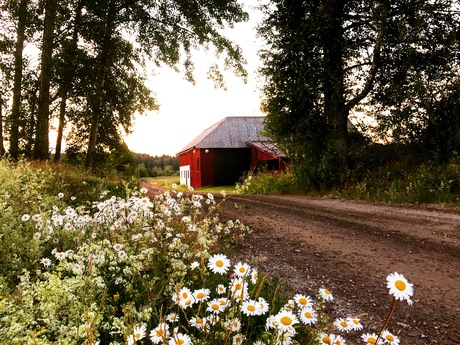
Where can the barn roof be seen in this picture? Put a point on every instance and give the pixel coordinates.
(231, 132)
(267, 146)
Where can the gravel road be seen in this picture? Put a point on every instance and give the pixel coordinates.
(350, 247)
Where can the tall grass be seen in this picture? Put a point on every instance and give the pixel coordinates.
(421, 184)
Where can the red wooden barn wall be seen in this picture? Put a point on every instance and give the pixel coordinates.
(210, 167)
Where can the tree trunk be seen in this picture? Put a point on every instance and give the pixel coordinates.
(66, 82)
(335, 108)
(42, 138)
(62, 109)
(97, 100)
(2, 147)
(18, 65)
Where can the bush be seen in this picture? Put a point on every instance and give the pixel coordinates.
(269, 183)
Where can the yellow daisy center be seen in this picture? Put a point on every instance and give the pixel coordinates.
(327, 292)
(238, 286)
(356, 322)
(180, 341)
(326, 340)
(251, 308)
(188, 302)
(215, 306)
(200, 295)
(307, 314)
(198, 320)
(137, 335)
(343, 324)
(184, 295)
(242, 270)
(159, 332)
(303, 301)
(371, 340)
(219, 263)
(286, 320)
(390, 337)
(400, 285)
(235, 324)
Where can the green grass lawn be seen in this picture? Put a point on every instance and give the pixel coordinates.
(167, 181)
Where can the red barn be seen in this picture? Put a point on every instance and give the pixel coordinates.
(222, 153)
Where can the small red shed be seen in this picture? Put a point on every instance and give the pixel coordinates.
(222, 153)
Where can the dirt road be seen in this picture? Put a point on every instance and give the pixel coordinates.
(351, 247)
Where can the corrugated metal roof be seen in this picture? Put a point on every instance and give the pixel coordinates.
(267, 146)
(231, 132)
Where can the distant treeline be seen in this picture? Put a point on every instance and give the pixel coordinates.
(151, 166)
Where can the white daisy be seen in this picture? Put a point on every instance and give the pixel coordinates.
(221, 289)
(238, 339)
(122, 255)
(254, 276)
(199, 322)
(249, 307)
(355, 324)
(370, 338)
(46, 262)
(338, 340)
(173, 317)
(213, 319)
(77, 268)
(241, 269)
(303, 301)
(233, 325)
(308, 316)
(399, 287)
(117, 247)
(201, 295)
(326, 294)
(214, 306)
(60, 255)
(219, 263)
(239, 289)
(179, 339)
(286, 319)
(327, 339)
(25, 217)
(390, 338)
(342, 324)
(262, 306)
(139, 332)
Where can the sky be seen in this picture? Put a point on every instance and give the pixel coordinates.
(186, 110)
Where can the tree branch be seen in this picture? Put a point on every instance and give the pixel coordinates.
(375, 62)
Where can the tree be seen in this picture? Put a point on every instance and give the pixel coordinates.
(66, 67)
(6, 72)
(326, 58)
(162, 32)
(46, 67)
(21, 15)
